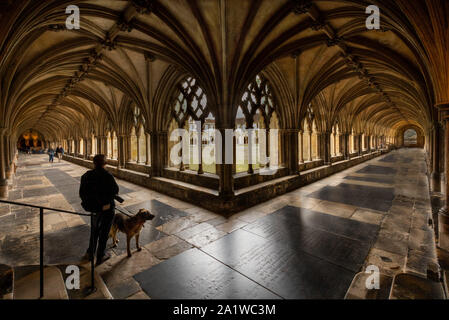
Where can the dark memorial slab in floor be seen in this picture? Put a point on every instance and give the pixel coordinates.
(389, 158)
(369, 197)
(378, 179)
(288, 272)
(377, 170)
(340, 241)
(294, 253)
(195, 275)
(39, 192)
(163, 212)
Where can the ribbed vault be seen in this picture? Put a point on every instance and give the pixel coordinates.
(127, 54)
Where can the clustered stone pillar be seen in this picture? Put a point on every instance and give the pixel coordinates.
(159, 152)
(147, 141)
(226, 168)
(326, 147)
(3, 180)
(443, 215)
(122, 147)
(301, 147)
(435, 176)
(290, 146)
(359, 144)
(346, 151)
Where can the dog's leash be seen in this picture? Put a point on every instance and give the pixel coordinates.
(125, 213)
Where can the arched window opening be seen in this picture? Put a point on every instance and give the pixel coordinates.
(253, 120)
(307, 138)
(114, 147)
(191, 112)
(352, 142)
(241, 139)
(274, 141)
(208, 138)
(315, 143)
(141, 146)
(81, 146)
(109, 145)
(133, 142)
(410, 137)
(94, 145)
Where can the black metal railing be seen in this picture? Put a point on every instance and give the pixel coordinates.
(41, 240)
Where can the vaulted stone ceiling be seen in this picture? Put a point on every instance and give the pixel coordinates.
(70, 83)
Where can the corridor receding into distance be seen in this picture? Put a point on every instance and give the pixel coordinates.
(309, 243)
(288, 149)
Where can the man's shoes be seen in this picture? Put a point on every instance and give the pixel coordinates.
(103, 259)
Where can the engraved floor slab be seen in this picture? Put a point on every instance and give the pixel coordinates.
(195, 275)
(292, 274)
(375, 198)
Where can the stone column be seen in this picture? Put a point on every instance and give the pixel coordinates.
(250, 148)
(77, 147)
(159, 152)
(200, 148)
(138, 148)
(267, 146)
(121, 150)
(435, 183)
(359, 144)
(87, 148)
(310, 145)
(346, 152)
(7, 152)
(147, 141)
(3, 180)
(335, 142)
(443, 215)
(326, 147)
(225, 170)
(301, 147)
(128, 148)
(99, 148)
(291, 145)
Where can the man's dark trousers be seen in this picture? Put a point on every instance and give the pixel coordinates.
(102, 226)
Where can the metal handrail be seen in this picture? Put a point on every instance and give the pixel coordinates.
(41, 240)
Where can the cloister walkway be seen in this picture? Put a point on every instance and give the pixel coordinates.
(315, 242)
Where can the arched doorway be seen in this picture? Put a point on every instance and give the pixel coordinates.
(410, 138)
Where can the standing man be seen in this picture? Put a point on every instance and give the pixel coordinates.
(97, 192)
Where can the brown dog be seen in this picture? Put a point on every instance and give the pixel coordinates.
(131, 226)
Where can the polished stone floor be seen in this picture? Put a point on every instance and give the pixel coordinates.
(314, 242)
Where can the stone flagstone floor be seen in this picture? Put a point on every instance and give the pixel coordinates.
(314, 242)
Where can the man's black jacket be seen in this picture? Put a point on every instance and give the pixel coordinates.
(102, 184)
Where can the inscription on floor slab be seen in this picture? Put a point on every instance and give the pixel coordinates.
(195, 275)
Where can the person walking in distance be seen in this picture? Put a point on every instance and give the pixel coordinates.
(59, 153)
(97, 192)
(51, 154)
